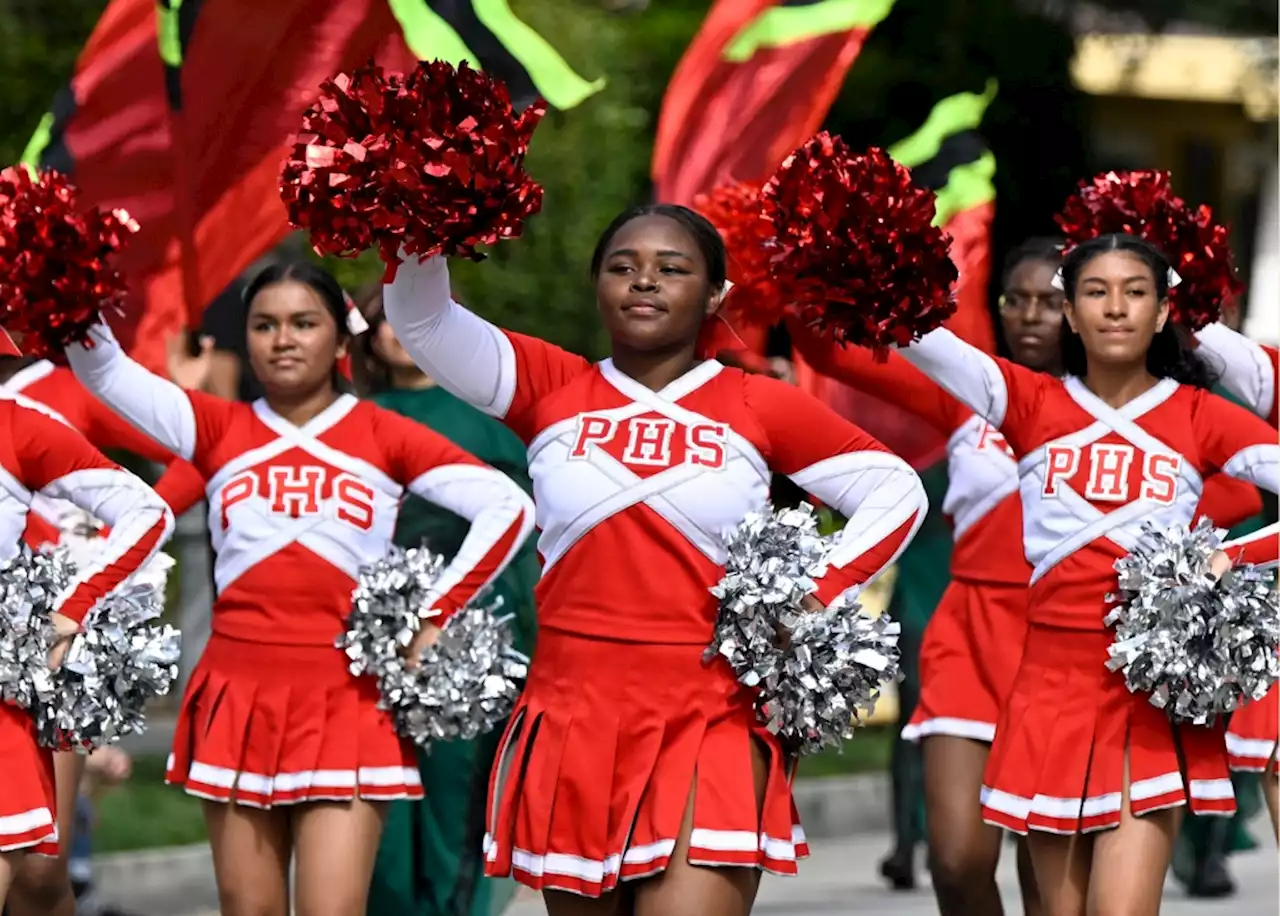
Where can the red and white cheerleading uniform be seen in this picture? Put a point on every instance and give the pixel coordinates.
(973, 643)
(58, 393)
(635, 491)
(1090, 476)
(1249, 371)
(40, 456)
(271, 715)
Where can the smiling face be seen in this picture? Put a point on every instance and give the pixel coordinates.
(653, 291)
(1115, 308)
(1031, 314)
(293, 339)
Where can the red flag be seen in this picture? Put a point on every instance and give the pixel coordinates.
(755, 83)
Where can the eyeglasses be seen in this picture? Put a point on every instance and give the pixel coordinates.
(1020, 302)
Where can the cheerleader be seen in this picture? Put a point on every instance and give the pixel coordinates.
(1249, 371)
(1087, 769)
(628, 757)
(289, 751)
(973, 643)
(42, 886)
(44, 457)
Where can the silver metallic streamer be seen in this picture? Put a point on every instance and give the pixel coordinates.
(816, 672)
(1199, 647)
(465, 685)
(29, 585)
(122, 660)
(125, 658)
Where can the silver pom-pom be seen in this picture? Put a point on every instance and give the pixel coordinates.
(830, 677)
(125, 658)
(773, 558)
(463, 686)
(816, 672)
(388, 606)
(1199, 647)
(29, 585)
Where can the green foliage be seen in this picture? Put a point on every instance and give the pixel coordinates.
(41, 39)
(144, 813)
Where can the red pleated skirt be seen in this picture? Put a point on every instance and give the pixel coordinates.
(1057, 762)
(265, 725)
(596, 768)
(971, 651)
(1252, 735)
(28, 799)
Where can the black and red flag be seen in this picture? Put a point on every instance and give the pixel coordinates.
(180, 111)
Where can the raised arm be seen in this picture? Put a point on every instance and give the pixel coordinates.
(827, 456)
(501, 515)
(892, 380)
(155, 406)
(498, 372)
(1003, 393)
(1247, 369)
(1246, 448)
(59, 463)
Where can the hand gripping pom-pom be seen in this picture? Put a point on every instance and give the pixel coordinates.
(125, 658)
(29, 585)
(857, 253)
(57, 268)
(464, 685)
(735, 210)
(1142, 203)
(1199, 648)
(430, 163)
(830, 677)
(814, 671)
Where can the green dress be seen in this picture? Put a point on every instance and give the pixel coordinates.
(924, 571)
(430, 861)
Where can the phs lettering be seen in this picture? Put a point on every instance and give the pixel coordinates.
(1107, 472)
(300, 492)
(651, 442)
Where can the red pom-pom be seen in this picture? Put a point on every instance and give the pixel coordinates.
(1143, 204)
(56, 271)
(735, 210)
(858, 254)
(431, 162)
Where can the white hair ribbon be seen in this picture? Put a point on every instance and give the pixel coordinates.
(1057, 281)
(356, 324)
(1173, 279)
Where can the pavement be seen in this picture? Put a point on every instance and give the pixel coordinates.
(839, 879)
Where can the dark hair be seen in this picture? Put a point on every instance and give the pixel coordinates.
(1170, 354)
(314, 276)
(1037, 248)
(704, 235)
(370, 371)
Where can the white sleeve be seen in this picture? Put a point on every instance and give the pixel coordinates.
(466, 355)
(885, 504)
(969, 375)
(153, 405)
(501, 517)
(139, 521)
(1241, 365)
